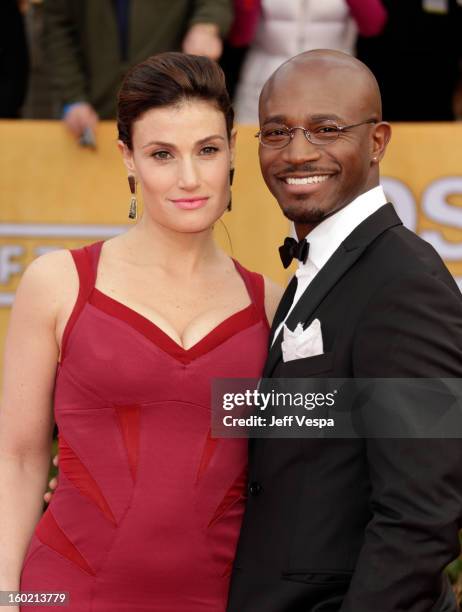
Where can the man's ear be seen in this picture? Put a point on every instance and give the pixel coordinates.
(380, 139)
(127, 156)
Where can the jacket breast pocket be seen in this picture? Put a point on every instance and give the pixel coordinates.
(307, 366)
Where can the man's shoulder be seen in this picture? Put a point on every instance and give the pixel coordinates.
(401, 252)
(397, 261)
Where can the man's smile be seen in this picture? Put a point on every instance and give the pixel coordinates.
(306, 180)
(300, 183)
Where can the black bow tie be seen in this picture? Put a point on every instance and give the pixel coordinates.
(291, 249)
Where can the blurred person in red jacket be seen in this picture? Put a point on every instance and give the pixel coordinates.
(246, 17)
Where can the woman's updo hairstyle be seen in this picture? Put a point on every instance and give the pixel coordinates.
(168, 79)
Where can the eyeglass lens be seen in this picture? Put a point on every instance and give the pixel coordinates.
(278, 136)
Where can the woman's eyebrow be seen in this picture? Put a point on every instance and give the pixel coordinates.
(212, 137)
(170, 145)
(159, 143)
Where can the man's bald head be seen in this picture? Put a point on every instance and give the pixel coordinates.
(313, 68)
(335, 99)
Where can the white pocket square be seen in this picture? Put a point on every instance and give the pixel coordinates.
(302, 343)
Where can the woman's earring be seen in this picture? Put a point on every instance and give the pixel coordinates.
(231, 179)
(132, 184)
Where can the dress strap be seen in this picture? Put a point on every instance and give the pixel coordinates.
(86, 262)
(94, 252)
(255, 284)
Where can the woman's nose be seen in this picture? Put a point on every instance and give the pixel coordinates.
(188, 175)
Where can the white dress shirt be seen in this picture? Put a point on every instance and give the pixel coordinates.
(326, 237)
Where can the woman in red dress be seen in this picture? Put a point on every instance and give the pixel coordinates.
(121, 340)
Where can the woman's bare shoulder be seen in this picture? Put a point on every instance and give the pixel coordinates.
(48, 279)
(52, 261)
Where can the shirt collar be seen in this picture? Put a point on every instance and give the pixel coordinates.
(326, 237)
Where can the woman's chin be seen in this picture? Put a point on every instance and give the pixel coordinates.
(192, 225)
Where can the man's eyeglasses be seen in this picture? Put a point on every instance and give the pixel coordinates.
(278, 137)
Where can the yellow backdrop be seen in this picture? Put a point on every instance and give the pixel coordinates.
(56, 194)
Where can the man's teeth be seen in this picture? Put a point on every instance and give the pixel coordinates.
(307, 180)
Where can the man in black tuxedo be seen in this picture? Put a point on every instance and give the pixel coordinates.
(350, 525)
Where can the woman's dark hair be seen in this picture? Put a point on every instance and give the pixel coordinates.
(167, 79)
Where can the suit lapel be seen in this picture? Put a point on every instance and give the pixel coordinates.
(341, 261)
(284, 305)
(322, 283)
(280, 315)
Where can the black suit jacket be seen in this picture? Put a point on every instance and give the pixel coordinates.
(360, 525)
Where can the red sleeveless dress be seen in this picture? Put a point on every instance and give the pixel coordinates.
(148, 508)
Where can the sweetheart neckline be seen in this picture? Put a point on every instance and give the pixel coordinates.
(133, 312)
(225, 330)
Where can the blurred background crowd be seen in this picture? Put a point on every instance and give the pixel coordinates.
(65, 58)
